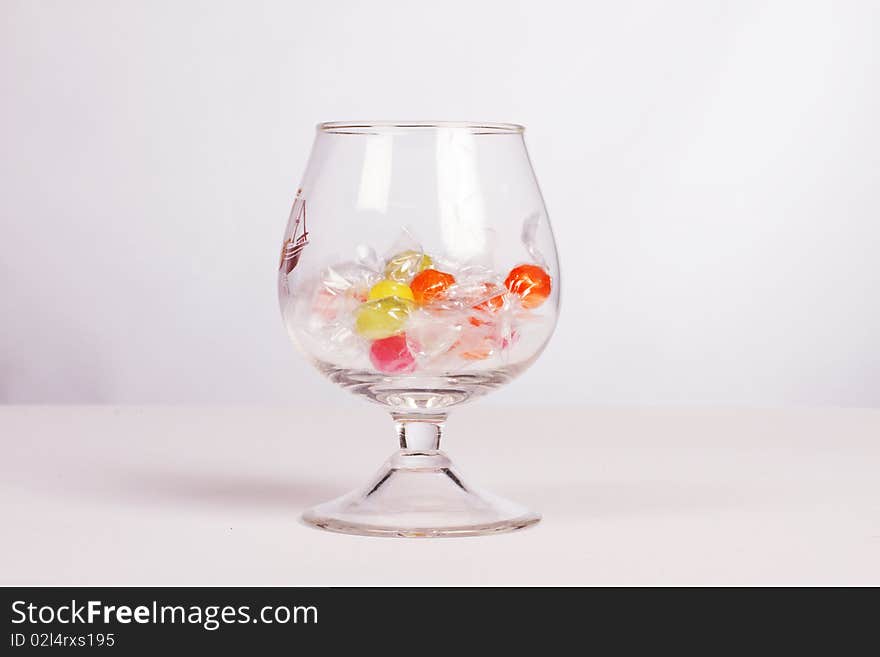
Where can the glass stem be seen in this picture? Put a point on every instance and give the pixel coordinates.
(419, 432)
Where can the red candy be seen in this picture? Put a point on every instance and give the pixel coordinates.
(392, 355)
(530, 283)
(429, 285)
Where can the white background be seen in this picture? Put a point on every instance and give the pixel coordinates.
(711, 170)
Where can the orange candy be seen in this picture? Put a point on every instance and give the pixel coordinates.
(489, 306)
(477, 354)
(429, 285)
(474, 347)
(481, 352)
(530, 283)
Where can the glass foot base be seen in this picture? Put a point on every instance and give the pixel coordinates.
(419, 494)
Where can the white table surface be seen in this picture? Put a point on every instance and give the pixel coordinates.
(188, 496)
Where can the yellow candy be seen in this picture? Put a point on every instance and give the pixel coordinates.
(382, 318)
(407, 264)
(389, 288)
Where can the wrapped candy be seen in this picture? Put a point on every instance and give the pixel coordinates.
(382, 318)
(338, 290)
(477, 344)
(330, 333)
(530, 283)
(468, 289)
(432, 334)
(327, 304)
(392, 355)
(403, 266)
(343, 343)
(405, 258)
(390, 288)
(429, 285)
(494, 300)
(477, 351)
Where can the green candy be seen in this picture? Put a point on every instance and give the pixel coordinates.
(382, 318)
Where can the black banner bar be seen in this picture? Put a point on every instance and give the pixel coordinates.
(124, 621)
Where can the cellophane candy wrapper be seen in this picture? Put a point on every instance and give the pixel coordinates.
(327, 304)
(413, 312)
(431, 335)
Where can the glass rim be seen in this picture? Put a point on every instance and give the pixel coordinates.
(379, 127)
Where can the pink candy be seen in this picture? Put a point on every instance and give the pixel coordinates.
(392, 355)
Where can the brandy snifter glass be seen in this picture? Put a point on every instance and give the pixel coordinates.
(419, 270)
